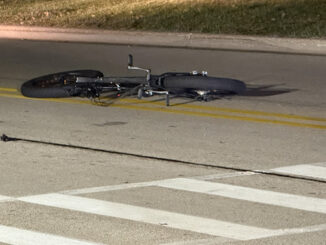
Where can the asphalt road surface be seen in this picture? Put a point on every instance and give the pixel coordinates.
(248, 169)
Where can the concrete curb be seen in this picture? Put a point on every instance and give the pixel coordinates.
(178, 40)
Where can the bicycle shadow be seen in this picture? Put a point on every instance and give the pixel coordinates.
(251, 91)
(266, 90)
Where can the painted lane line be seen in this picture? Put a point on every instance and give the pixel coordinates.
(300, 230)
(248, 194)
(5, 198)
(257, 113)
(227, 110)
(230, 110)
(109, 188)
(12, 235)
(208, 241)
(151, 216)
(224, 175)
(149, 183)
(280, 232)
(286, 170)
(184, 112)
(308, 170)
(213, 108)
(11, 90)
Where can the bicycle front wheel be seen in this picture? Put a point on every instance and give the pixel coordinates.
(56, 85)
(212, 84)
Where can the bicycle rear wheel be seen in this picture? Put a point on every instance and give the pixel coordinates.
(56, 85)
(211, 84)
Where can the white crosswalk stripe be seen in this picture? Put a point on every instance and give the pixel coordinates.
(249, 194)
(224, 176)
(4, 198)
(109, 188)
(223, 230)
(281, 232)
(307, 170)
(12, 235)
(152, 216)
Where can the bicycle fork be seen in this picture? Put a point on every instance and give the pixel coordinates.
(147, 88)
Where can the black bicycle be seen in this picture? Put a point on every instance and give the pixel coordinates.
(93, 84)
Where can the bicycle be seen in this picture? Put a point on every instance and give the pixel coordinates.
(92, 84)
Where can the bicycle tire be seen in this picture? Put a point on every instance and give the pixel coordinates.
(57, 85)
(212, 84)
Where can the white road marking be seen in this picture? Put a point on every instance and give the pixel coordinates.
(151, 216)
(316, 171)
(149, 183)
(302, 170)
(109, 188)
(306, 229)
(5, 198)
(308, 170)
(224, 175)
(225, 231)
(146, 184)
(209, 241)
(12, 235)
(249, 194)
(280, 232)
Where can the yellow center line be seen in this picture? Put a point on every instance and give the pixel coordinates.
(168, 110)
(221, 116)
(231, 110)
(71, 101)
(213, 108)
(9, 90)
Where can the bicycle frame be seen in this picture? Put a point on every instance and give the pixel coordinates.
(149, 85)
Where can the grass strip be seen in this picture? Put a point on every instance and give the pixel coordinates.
(281, 18)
